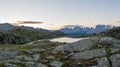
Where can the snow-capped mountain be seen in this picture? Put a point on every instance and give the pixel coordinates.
(84, 31)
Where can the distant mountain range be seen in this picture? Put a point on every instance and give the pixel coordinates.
(76, 30)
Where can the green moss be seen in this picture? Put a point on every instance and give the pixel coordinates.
(108, 51)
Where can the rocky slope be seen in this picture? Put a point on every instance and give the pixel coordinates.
(90, 52)
(115, 32)
(21, 34)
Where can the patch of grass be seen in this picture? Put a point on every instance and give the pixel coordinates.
(2, 65)
(108, 51)
(96, 46)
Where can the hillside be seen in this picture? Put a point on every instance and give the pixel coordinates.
(115, 32)
(21, 34)
(58, 33)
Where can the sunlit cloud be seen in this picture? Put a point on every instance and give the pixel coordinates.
(26, 22)
(29, 22)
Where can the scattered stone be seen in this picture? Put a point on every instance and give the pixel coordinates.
(56, 64)
(10, 65)
(14, 61)
(50, 57)
(41, 65)
(24, 57)
(36, 57)
(32, 64)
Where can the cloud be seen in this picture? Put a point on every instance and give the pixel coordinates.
(17, 23)
(29, 22)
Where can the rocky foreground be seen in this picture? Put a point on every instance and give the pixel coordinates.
(90, 52)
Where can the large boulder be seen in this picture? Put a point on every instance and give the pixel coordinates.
(103, 62)
(76, 46)
(89, 54)
(115, 60)
(106, 41)
(109, 41)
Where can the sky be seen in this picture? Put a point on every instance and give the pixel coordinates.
(60, 12)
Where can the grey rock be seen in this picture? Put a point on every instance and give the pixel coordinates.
(41, 65)
(23, 57)
(10, 65)
(76, 46)
(36, 57)
(32, 64)
(110, 41)
(56, 64)
(7, 54)
(89, 54)
(106, 41)
(14, 61)
(115, 57)
(58, 49)
(103, 62)
(50, 57)
(113, 50)
(115, 60)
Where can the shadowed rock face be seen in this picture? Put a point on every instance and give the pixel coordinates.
(11, 38)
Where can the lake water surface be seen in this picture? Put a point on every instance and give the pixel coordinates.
(66, 39)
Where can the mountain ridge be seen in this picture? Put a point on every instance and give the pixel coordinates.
(77, 30)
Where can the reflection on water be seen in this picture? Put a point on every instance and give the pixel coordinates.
(67, 39)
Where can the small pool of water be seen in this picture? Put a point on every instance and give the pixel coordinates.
(66, 39)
